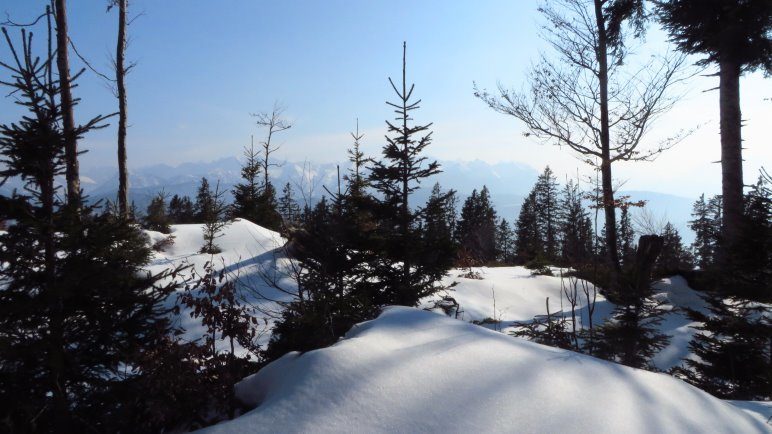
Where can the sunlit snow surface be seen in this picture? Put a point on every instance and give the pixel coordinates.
(416, 371)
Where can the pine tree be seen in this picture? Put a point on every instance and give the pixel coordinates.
(212, 212)
(575, 227)
(157, 218)
(77, 310)
(246, 195)
(181, 210)
(405, 271)
(546, 189)
(704, 244)
(203, 200)
(674, 257)
(626, 236)
(476, 232)
(736, 36)
(505, 243)
(528, 240)
(288, 208)
(437, 230)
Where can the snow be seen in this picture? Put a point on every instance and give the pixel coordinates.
(249, 252)
(411, 370)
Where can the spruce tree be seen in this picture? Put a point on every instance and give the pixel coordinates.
(406, 272)
(505, 243)
(476, 232)
(674, 257)
(528, 241)
(626, 236)
(288, 207)
(704, 243)
(77, 310)
(181, 210)
(212, 212)
(437, 230)
(575, 227)
(546, 189)
(735, 36)
(246, 195)
(156, 217)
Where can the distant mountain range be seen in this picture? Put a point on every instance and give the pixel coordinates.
(508, 182)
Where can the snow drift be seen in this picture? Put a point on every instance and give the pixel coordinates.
(416, 371)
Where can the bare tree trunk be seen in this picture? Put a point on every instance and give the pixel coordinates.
(605, 167)
(731, 150)
(68, 118)
(120, 76)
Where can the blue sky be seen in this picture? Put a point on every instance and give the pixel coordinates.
(204, 66)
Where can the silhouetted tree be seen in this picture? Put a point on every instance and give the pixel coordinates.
(737, 37)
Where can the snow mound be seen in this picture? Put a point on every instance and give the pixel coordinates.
(415, 371)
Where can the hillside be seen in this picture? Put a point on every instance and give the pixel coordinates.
(416, 371)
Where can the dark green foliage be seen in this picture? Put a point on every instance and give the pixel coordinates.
(76, 309)
(505, 243)
(528, 240)
(735, 30)
(575, 227)
(734, 350)
(546, 189)
(476, 229)
(156, 217)
(212, 210)
(631, 336)
(550, 329)
(438, 221)
(267, 215)
(706, 226)
(246, 195)
(181, 210)
(334, 292)
(674, 257)
(288, 207)
(404, 268)
(626, 236)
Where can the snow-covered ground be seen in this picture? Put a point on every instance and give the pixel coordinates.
(249, 253)
(416, 371)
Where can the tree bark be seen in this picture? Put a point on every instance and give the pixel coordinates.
(120, 72)
(731, 150)
(605, 141)
(68, 120)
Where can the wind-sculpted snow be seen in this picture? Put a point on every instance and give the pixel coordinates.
(250, 254)
(416, 371)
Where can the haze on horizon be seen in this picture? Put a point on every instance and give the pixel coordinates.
(193, 89)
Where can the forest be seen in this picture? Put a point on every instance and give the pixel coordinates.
(160, 318)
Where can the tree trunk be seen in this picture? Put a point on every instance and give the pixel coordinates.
(605, 142)
(120, 76)
(731, 151)
(68, 119)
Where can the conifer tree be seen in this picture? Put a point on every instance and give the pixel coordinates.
(246, 195)
(546, 189)
(212, 211)
(476, 231)
(626, 236)
(288, 207)
(437, 229)
(181, 210)
(736, 36)
(505, 243)
(704, 244)
(528, 240)
(575, 227)
(406, 272)
(156, 217)
(674, 257)
(76, 310)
